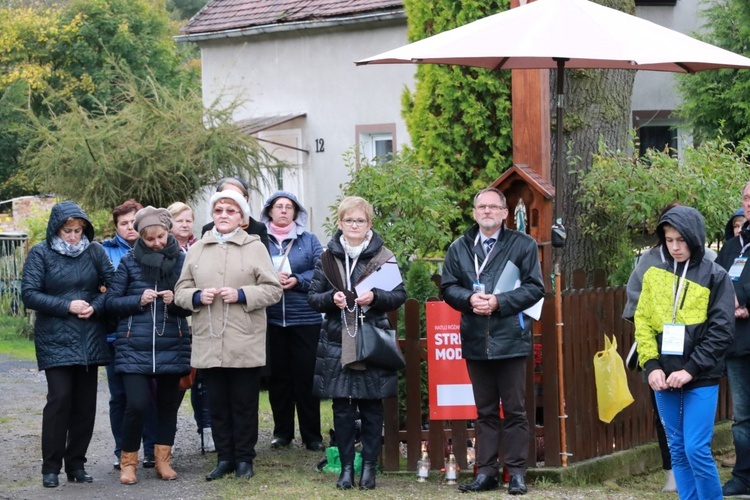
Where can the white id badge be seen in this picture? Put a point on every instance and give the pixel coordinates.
(277, 262)
(478, 287)
(737, 267)
(673, 339)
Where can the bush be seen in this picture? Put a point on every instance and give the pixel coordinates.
(37, 224)
(622, 195)
(15, 328)
(413, 211)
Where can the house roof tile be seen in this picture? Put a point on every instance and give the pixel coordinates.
(219, 15)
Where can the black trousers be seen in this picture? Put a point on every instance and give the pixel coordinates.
(344, 423)
(494, 381)
(68, 417)
(138, 393)
(234, 411)
(291, 359)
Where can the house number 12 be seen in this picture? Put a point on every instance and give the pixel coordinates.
(319, 146)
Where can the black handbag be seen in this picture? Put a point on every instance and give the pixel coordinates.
(379, 348)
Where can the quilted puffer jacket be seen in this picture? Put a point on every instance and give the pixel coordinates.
(331, 380)
(147, 342)
(51, 281)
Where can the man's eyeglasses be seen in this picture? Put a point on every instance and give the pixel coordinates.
(229, 211)
(351, 222)
(288, 208)
(494, 208)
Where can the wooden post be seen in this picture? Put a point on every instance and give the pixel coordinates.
(530, 97)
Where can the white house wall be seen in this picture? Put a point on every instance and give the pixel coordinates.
(312, 71)
(656, 91)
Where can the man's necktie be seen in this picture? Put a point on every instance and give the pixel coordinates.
(488, 245)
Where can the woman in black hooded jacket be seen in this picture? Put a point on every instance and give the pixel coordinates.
(64, 278)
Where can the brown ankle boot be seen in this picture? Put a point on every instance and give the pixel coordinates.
(128, 463)
(163, 455)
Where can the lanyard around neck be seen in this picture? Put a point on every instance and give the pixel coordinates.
(678, 289)
(477, 268)
(744, 247)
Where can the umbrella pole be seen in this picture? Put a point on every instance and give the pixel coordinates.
(557, 264)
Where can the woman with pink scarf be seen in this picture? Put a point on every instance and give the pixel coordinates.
(293, 327)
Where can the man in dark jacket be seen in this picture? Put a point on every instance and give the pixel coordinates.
(492, 275)
(732, 257)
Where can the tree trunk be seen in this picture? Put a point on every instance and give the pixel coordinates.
(596, 106)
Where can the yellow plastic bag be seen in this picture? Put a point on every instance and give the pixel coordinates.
(612, 392)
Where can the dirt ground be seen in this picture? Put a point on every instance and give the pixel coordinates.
(22, 397)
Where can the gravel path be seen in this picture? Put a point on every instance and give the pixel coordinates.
(22, 397)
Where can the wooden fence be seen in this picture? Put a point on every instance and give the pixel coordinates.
(588, 314)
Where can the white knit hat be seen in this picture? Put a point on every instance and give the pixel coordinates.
(235, 197)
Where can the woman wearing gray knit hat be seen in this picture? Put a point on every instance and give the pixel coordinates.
(153, 340)
(228, 280)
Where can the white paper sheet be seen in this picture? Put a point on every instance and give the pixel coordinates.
(510, 279)
(387, 277)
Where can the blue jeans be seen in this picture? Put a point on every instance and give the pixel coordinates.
(738, 374)
(117, 404)
(688, 418)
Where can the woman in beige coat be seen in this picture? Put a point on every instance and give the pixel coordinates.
(228, 280)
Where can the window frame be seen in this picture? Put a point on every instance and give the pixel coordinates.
(373, 132)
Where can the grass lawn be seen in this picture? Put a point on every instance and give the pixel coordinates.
(13, 339)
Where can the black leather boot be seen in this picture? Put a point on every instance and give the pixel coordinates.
(346, 478)
(223, 468)
(244, 470)
(367, 481)
(50, 480)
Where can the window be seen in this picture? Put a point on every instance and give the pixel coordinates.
(657, 137)
(377, 148)
(377, 143)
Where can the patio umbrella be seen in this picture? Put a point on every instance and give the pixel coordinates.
(576, 34)
(560, 34)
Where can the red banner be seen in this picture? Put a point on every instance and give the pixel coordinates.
(451, 397)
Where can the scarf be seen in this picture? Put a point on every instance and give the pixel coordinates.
(189, 243)
(354, 252)
(281, 232)
(222, 237)
(157, 266)
(58, 245)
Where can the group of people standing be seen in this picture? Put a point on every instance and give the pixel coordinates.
(154, 302)
(250, 293)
